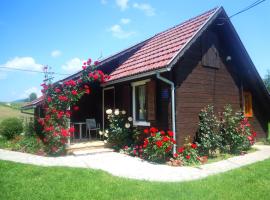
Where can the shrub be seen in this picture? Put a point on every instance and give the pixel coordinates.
(29, 128)
(208, 134)
(120, 131)
(188, 153)
(236, 132)
(157, 145)
(11, 127)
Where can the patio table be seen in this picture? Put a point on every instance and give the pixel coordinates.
(80, 128)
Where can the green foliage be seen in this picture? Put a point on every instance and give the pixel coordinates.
(231, 133)
(236, 133)
(29, 128)
(11, 127)
(157, 145)
(28, 144)
(208, 134)
(188, 153)
(120, 131)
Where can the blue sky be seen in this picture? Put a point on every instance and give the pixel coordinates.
(62, 33)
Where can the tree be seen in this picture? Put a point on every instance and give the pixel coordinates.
(266, 80)
(32, 96)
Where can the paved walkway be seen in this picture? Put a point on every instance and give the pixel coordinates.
(125, 166)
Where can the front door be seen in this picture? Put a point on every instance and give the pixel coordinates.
(108, 103)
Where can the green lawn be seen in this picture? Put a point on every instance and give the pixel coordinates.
(19, 181)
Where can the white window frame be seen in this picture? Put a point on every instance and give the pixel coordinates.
(135, 122)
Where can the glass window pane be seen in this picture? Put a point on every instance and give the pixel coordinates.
(140, 103)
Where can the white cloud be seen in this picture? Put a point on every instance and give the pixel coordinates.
(73, 65)
(123, 4)
(28, 91)
(146, 8)
(3, 75)
(56, 53)
(27, 63)
(118, 32)
(103, 2)
(125, 21)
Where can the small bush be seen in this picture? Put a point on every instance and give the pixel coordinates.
(208, 134)
(120, 131)
(236, 132)
(11, 127)
(188, 153)
(29, 128)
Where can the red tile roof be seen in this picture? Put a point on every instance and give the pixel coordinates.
(154, 53)
(158, 51)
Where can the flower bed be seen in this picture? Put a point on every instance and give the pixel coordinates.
(230, 134)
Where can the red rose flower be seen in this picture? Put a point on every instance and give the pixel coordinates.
(181, 150)
(74, 92)
(153, 130)
(170, 133)
(188, 157)
(96, 63)
(165, 139)
(146, 131)
(84, 67)
(193, 146)
(159, 143)
(57, 90)
(162, 132)
(254, 134)
(89, 61)
(87, 91)
(175, 155)
(49, 99)
(95, 77)
(64, 133)
(71, 129)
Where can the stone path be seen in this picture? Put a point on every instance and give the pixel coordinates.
(125, 166)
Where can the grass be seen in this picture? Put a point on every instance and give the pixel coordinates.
(9, 111)
(20, 181)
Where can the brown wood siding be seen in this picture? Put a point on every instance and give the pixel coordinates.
(199, 86)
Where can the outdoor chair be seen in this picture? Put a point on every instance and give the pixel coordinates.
(91, 125)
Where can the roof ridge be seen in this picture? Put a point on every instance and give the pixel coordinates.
(188, 20)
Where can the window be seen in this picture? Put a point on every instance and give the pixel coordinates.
(248, 112)
(139, 102)
(140, 98)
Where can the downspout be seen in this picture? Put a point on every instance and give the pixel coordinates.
(173, 105)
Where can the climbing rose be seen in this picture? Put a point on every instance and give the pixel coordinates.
(49, 99)
(72, 129)
(188, 157)
(175, 155)
(64, 132)
(96, 63)
(74, 92)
